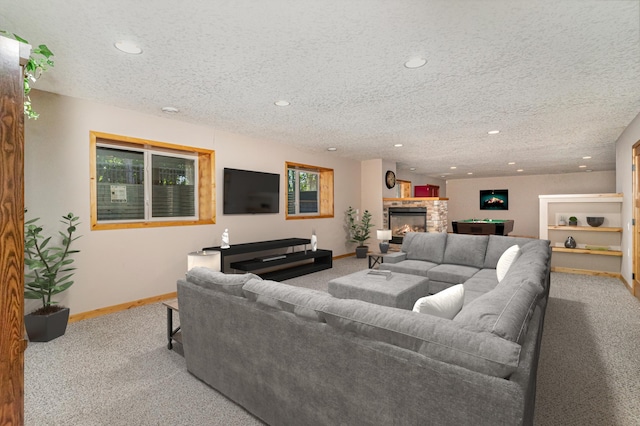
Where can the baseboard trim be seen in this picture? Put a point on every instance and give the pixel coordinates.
(586, 272)
(121, 307)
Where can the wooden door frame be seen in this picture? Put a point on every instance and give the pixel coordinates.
(635, 191)
(13, 55)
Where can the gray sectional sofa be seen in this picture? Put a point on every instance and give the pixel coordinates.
(293, 356)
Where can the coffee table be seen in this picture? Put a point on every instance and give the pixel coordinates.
(395, 289)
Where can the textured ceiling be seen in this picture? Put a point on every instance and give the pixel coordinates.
(559, 79)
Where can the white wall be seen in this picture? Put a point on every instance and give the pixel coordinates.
(464, 196)
(418, 179)
(372, 178)
(624, 184)
(118, 266)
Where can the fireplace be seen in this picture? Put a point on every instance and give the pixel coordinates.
(406, 219)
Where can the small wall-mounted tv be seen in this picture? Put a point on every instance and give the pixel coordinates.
(250, 192)
(494, 199)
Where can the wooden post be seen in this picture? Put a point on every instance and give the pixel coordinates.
(12, 339)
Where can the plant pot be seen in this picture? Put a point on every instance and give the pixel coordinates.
(573, 223)
(361, 252)
(44, 328)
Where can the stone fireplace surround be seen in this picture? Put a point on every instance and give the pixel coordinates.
(436, 210)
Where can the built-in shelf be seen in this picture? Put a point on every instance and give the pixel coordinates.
(598, 251)
(587, 251)
(584, 228)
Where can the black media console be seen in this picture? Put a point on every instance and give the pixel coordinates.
(322, 259)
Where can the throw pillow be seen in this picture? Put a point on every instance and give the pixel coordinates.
(509, 256)
(444, 304)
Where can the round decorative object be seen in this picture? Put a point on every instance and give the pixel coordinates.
(570, 242)
(390, 179)
(595, 221)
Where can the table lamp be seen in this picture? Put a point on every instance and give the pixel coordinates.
(208, 259)
(385, 236)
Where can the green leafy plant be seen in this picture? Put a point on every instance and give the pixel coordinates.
(49, 264)
(39, 62)
(573, 219)
(359, 229)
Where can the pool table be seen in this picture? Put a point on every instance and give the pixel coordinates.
(483, 227)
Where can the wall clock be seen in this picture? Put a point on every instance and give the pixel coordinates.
(390, 179)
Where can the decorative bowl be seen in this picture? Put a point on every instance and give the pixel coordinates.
(595, 221)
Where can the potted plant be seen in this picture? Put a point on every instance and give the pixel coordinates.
(359, 230)
(39, 61)
(573, 221)
(49, 274)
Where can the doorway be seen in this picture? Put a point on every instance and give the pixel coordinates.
(636, 217)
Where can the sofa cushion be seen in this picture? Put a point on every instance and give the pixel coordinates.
(505, 310)
(414, 267)
(468, 250)
(219, 281)
(485, 280)
(498, 244)
(454, 274)
(303, 302)
(427, 246)
(445, 304)
(433, 337)
(506, 260)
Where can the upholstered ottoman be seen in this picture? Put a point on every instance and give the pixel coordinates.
(393, 289)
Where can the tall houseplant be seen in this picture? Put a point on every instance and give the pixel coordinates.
(39, 61)
(359, 230)
(50, 273)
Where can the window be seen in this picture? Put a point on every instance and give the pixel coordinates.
(309, 191)
(140, 183)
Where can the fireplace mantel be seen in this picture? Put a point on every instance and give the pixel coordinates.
(416, 199)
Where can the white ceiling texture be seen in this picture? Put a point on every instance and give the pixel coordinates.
(559, 79)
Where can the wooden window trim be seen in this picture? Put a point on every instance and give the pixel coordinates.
(326, 191)
(206, 181)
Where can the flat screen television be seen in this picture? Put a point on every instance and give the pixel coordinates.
(250, 192)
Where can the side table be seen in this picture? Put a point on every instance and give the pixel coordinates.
(375, 259)
(174, 336)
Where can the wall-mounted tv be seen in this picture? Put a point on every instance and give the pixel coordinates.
(494, 199)
(250, 192)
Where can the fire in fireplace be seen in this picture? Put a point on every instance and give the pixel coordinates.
(406, 219)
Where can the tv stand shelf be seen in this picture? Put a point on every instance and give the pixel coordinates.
(322, 259)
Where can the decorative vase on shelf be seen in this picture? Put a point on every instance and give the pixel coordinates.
(314, 241)
(570, 242)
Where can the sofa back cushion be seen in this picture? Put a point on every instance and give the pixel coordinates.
(464, 249)
(300, 301)
(497, 245)
(505, 311)
(219, 281)
(433, 337)
(427, 246)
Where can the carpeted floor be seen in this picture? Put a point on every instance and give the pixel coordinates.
(116, 369)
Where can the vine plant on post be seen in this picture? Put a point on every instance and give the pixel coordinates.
(49, 274)
(39, 62)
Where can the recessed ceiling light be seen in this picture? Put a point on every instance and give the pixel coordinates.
(520, 170)
(583, 166)
(282, 103)
(415, 63)
(128, 47)
(453, 167)
(493, 132)
(397, 145)
(469, 173)
(170, 110)
(587, 157)
(442, 176)
(412, 168)
(511, 163)
(332, 148)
